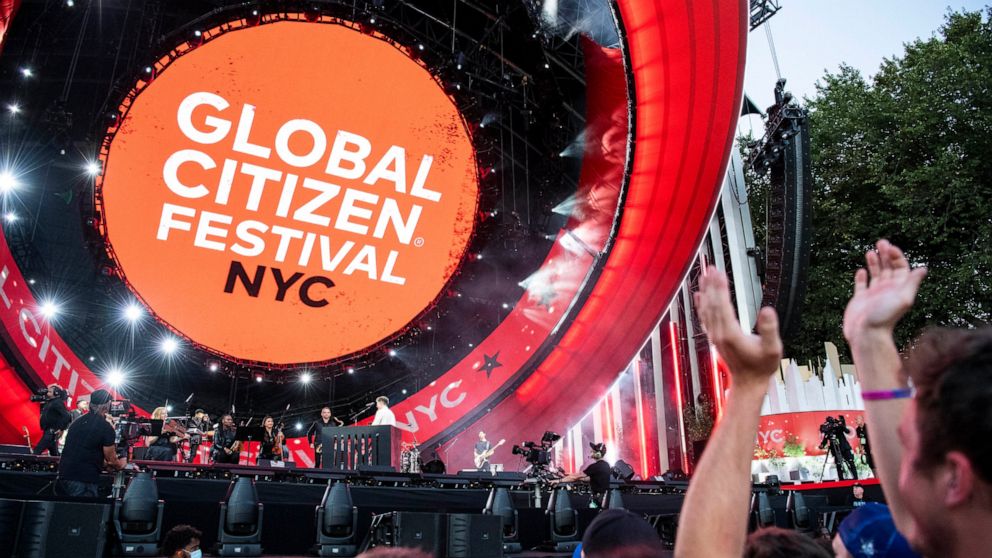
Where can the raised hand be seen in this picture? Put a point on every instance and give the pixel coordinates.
(751, 358)
(883, 293)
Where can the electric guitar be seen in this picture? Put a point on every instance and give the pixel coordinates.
(482, 457)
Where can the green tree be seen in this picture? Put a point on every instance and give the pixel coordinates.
(906, 155)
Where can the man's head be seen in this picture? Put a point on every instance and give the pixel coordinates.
(100, 401)
(381, 402)
(598, 450)
(83, 405)
(325, 413)
(858, 490)
(859, 420)
(227, 420)
(55, 391)
(945, 477)
(482, 436)
(869, 532)
(774, 542)
(182, 541)
(620, 534)
(199, 414)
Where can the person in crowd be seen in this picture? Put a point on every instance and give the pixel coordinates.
(932, 443)
(182, 541)
(54, 419)
(857, 497)
(620, 534)
(163, 447)
(597, 474)
(869, 533)
(383, 415)
(713, 522)
(89, 446)
(316, 432)
(82, 407)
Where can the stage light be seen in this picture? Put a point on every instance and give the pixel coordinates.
(429, 328)
(133, 312)
(392, 352)
(372, 20)
(299, 426)
(168, 408)
(214, 367)
(148, 69)
(351, 370)
(8, 181)
(49, 309)
(115, 377)
(30, 281)
(505, 306)
(478, 256)
(305, 378)
(421, 47)
(70, 3)
(254, 12)
(10, 217)
(547, 66)
(93, 168)
(403, 391)
(26, 72)
(259, 377)
(13, 108)
(197, 33)
(169, 345)
(92, 358)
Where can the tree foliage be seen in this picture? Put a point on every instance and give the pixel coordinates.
(906, 155)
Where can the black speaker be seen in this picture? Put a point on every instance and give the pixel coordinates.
(10, 515)
(473, 535)
(57, 529)
(407, 529)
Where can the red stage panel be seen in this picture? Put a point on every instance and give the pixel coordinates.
(7, 10)
(688, 64)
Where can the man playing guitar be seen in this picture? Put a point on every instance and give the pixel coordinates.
(483, 451)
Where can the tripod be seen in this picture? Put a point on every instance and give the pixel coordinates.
(838, 458)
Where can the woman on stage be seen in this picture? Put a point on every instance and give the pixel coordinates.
(164, 447)
(272, 447)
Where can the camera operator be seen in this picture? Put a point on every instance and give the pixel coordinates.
(54, 419)
(597, 474)
(89, 446)
(835, 436)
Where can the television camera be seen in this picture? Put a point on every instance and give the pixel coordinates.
(40, 395)
(128, 427)
(538, 454)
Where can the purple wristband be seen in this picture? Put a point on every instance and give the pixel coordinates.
(884, 394)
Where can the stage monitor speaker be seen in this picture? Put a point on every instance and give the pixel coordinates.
(473, 535)
(408, 530)
(15, 449)
(10, 516)
(58, 529)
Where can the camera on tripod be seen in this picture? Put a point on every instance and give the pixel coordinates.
(40, 395)
(832, 429)
(537, 453)
(129, 427)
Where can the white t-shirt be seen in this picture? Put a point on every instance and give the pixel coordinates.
(384, 417)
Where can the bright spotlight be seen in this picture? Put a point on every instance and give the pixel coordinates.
(351, 370)
(92, 358)
(13, 108)
(49, 309)
(305, 377)
(392, 352)
(168, 408)
(169, 345)
(403, 391)
(214, 367)
(258, 379)
(70, 3)
(299, 426)
(505, 305)
(133, 312)
(26, 72)
(8, 181)
(93, 168)
(115, 377)
(10, 216)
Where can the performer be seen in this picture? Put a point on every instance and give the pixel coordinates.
(483, 451)
(54, 419)
(271, 447)
(383, 415)
(861, 431)
(164, 447)
(315, 434)
(597, 474)
(226, 449)
(197, 428)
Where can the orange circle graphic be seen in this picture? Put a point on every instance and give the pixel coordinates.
(291, 192)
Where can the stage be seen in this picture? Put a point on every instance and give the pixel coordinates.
(192, 494)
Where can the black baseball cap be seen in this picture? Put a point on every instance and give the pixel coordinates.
(100, 397)
(599, 448)
(616, 529)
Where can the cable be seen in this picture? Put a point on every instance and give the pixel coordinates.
(771, 47)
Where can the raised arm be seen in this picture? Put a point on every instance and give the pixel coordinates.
(713, 522)
(882, 295)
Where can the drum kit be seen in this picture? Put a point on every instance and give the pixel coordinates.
(410, 458)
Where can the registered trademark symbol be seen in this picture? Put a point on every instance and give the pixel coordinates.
(418, 242)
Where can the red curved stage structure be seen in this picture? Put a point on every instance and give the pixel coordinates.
(661, 114)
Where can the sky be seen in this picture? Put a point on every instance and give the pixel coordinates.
(813, 36)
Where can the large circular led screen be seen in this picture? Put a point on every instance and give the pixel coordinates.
(290, 192)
